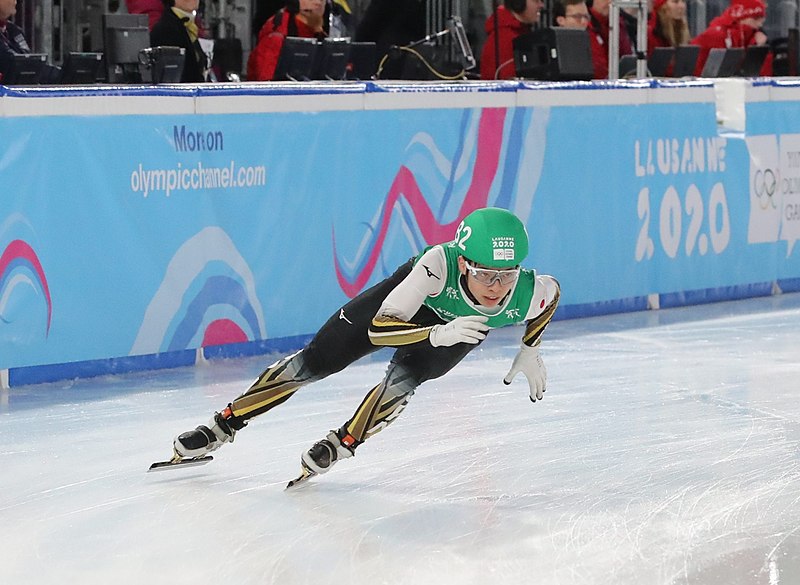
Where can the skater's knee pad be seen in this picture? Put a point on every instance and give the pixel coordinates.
(399, 381)
(381, 406)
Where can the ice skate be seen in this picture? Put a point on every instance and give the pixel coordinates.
(178, 461)
(321, 457)
(205, 439)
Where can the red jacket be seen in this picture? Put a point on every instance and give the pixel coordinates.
(508, 29)
(264, 58)
(725, 32)
(598, 35)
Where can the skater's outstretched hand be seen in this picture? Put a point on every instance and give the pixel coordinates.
(469, 329)
(529, 362)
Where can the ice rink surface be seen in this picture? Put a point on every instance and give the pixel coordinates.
(665, 451)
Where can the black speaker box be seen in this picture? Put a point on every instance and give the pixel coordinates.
(555, 54)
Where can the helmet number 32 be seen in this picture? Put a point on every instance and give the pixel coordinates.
(462, 235)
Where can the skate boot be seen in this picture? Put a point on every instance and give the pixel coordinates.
(205, 439)
(323, 454)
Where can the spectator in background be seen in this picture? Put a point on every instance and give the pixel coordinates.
(154, 9)
(571, 14)
(599, 29)
(11, 37)
(264, 9)
(12, 41)
(338, 17)
(299, 18)
(738, 26)
(177, 28)
(667, 26)
(512, 19)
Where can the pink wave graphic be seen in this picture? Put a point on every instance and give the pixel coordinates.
(223, 331)
(490, 142)
(19, 249)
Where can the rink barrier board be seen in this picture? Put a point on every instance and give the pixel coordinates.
(226, 99)
(22, 376)
(293, 97)
(27, 375)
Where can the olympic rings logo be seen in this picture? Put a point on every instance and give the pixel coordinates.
(765, 183)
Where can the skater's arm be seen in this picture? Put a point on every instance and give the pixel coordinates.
(392, 323)
(528, 361)
(391, 331)
(543, 304)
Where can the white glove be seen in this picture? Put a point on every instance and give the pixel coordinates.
(469, 329)
(529, 362)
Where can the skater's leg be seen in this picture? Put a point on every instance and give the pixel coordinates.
(380, 407)
(340, 341)
(384, 403)
(410, 367)
(274, 386)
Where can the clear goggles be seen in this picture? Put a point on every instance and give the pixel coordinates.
(488, 276)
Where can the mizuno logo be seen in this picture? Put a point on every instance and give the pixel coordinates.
(343, 318)
(428, 270)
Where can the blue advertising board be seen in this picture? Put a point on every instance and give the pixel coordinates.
(139, 238)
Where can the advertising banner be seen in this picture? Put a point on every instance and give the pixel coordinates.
(136, 235)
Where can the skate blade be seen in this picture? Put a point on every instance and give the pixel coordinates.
(304, 477)
(194, 461)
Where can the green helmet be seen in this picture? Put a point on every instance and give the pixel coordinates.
(492, 237)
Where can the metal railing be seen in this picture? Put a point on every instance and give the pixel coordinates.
(641, 36)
